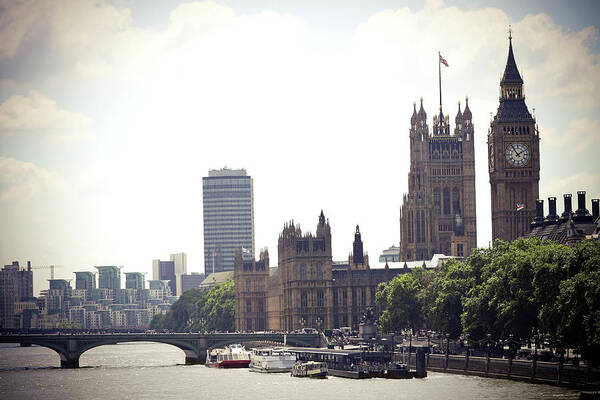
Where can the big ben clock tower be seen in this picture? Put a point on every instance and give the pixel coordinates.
(513, 158)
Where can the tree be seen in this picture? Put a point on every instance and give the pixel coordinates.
(400, 297)
(578, 303)
(445, 294)
(201, 310)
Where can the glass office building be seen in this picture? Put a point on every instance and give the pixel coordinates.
(228, 218)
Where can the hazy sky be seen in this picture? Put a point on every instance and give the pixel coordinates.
(111, 112)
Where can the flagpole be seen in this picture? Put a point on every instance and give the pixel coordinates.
(440, 76)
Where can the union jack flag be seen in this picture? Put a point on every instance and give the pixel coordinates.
(520, 206)
(443, 61)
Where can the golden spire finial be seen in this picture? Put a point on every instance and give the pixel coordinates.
(509, 32)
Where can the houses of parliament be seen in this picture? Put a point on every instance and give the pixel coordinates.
(438, 216)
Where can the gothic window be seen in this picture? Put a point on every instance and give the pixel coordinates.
(248, 285)
(372, 300)
(302, 272)
(319, 271)
(446, 201)
(261, 306)
(422, 226)
(304, 299)
(363, 296)
(354, 296)
(344, 297)
(418, 227)
(456, 201)
(248, 305)
(320, 299)
(248, 324)
(295, 272)
(335, 298)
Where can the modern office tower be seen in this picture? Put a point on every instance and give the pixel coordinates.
(109, 277)
(134, 280)
(513, 158)
(228, 203)
(165, 271)
(192, 281)
(180, 268)
(85, 280)
(16, 285)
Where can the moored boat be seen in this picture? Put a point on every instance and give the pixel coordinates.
(310, 369)
(272, 360)
(234, 356)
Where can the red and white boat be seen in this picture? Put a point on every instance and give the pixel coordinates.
(234, 356)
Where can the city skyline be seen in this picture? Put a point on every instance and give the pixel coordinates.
(111, 114)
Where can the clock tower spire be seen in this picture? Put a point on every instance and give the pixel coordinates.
(513, 157)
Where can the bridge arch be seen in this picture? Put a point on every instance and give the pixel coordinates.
(193, 354)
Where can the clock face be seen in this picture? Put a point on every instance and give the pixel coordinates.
(517, 154)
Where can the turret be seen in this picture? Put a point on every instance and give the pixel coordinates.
(466, 115)
(357, 253)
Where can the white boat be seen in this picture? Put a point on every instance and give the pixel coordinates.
(272, 360)
(234, 356)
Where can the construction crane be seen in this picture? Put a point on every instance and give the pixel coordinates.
(50, 267)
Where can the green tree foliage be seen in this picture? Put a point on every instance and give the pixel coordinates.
(402, 303)
(200, 310)
(578, 303)
(519, 289)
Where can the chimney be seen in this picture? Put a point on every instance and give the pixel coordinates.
(539, 213)
(552, 217)
(596, 208)
(568, 209)
(581, 210)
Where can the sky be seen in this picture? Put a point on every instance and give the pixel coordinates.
(111, 112)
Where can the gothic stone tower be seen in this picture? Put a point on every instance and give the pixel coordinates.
(513, 158)
(438, 212)
(250, 279)
(305, 271)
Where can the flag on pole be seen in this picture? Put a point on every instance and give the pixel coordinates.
(443, 61)
(246, 251)
(520, 206)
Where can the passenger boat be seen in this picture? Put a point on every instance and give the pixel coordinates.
(272, 360)
(234, 356)
(397, 371)
(310, 369)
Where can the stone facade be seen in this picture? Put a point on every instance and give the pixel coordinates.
(513, 158)
(306, 290)
(250, 279)
(438, 214)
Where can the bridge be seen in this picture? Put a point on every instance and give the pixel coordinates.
(71, 346)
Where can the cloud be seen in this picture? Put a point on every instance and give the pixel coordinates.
(588, 181)
(580, 135)
(21, 181)
(38, 115)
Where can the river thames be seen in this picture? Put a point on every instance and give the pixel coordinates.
(151, 370)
